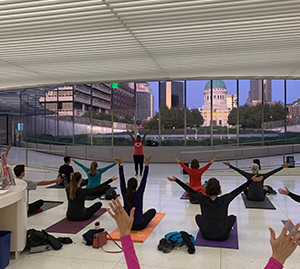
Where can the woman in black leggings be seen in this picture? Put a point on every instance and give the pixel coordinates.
(214, 223)
(138, 155)
(257, 191)
(76, 197)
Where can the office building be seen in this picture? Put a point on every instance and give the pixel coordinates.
(257, 86)
(171, 94)
(144, 101)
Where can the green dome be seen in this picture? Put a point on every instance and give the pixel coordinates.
(217, 83)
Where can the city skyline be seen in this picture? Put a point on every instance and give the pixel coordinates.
(196, 87)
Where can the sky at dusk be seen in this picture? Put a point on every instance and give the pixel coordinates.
(195, 90)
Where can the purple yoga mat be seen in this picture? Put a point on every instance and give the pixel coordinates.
(183, 196)
(73, 227)
(231, 242)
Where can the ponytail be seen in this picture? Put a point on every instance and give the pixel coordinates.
(131, 187)
(74, 185)
(93, 169)
(255, 168)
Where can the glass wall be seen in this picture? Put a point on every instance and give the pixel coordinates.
(177, 113)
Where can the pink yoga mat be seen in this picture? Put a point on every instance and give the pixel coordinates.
(73, 227)
(231, 242)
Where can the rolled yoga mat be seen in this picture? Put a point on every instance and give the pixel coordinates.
(265, 204)
(46, 206)
(183, 197)
(73, 227)
(92, 197)
(231, 242)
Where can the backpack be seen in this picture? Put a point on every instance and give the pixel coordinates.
(110, 194)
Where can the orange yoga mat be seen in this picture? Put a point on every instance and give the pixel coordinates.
(140, 236)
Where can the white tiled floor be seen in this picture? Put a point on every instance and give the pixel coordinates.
(253, 224)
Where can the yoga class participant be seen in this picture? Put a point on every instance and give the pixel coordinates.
(214, 223)
(195, 173)
(133, 195)
(283, 246)
(76, 197)
(94, 174)
(124, 223)
(66, 169)
(19, 171)
(138, 155)
(287, 192)
(257, 191)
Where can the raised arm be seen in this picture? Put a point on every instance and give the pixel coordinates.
(145, 175)
(183, 185)
(118, 160)
(104, 169)
(243, 173)
(143, 140)
(124, 223)
(84, 168)
(266, 175)
(287, 192)
(174, 157)
(216, 158)
(132, 138)
(58, 180)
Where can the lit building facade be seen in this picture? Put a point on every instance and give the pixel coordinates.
(144, 101)
(220, 106)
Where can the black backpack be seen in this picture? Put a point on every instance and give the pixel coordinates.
(110, 194)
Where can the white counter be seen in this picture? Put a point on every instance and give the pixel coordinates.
(13, 215)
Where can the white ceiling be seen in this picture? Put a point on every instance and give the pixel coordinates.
(48, 42)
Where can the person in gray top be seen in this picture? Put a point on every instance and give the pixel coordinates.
(19, 171)
(256, 191)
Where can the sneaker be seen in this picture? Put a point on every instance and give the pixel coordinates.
(136, 174)
(168, 247)
(161, 244)
(187, 240)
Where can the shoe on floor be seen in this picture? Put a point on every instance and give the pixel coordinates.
(38, 210)
(168, 247)
(161, 244)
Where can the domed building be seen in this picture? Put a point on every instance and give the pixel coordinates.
(220, 106)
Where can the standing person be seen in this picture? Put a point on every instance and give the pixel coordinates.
(133, 196)
(76, 198)
(257, 191)
(287, 192)
(214, 223)
(19, 171)
(94, 174)
(138, 155)
(66, 169)
(195, 173)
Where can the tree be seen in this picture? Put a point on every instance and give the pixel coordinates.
(250, 116)
(174, 117)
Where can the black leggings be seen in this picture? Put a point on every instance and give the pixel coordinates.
(258, 198)
(230, 222)
(34, 206)
(92, 210)
(149, 215)
(101, 191)
(138, 160)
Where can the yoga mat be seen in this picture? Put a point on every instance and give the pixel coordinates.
(183, 196)
(231, 242)
(140, 236)
(73, 227)
(56, 186)
(266, 204)
(46, 206)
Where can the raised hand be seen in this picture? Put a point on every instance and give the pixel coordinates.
(173, 157)
(171, 178)
(72, 160)
(286, 243)
(58, 180)
(285, 165)
(114, 178)
(226, 163)
(217, 157)
(117, 160)
(148, 158)
(284, 192)
(120, 216)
